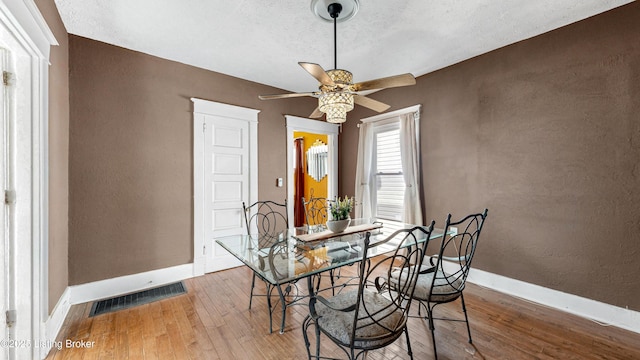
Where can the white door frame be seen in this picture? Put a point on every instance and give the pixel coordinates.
(201, 107)
(295, 123)
(32, 39)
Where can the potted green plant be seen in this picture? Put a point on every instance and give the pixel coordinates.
(340, 211)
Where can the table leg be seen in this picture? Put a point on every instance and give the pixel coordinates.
(269, 288)
(284, 308)
(253, 284)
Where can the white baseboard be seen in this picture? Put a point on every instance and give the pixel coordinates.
(54, 323)
(97, 290)
(573, 304)
(129, 283)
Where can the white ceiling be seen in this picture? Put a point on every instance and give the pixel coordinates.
(262, 40)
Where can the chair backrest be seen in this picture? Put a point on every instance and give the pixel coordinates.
(315, 211)
(267, 219)
(453, 261)
(276, 262)
(381, 305)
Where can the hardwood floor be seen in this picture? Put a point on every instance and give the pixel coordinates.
(213, 321)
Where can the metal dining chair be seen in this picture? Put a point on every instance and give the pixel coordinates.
(316, 211)
(369, 314)
(268, 220)
(443, 279)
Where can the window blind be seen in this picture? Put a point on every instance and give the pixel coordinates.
(389, 179)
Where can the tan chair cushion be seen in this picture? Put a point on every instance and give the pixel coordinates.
(445, 287)
(339, 325)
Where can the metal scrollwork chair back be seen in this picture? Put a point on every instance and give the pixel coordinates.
(315, 212)
(268, 220)
(369, 314)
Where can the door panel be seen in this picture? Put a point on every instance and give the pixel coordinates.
(226, 185)
(227, 164)
(227, 219)
(227, 191)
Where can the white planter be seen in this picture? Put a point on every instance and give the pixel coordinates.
(337, 226)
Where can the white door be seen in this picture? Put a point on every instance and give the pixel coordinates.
(225, 174)
(5, 245)
(226, 184)
(25, 39)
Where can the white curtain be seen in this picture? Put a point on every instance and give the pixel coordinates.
(364, 175)
(410, 155)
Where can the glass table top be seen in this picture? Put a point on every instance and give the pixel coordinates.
(285, 258)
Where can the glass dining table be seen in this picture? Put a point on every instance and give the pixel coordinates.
(303, 253)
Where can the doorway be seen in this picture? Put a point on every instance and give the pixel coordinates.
(225, 175)
(25, 40)
(328, 185)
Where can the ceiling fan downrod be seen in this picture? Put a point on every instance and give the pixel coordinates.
(334, 10)
(337, 93)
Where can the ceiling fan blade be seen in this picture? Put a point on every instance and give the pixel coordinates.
(370, 103)
(316, 114)
(317, 72)
(284, 96)
(384, 83)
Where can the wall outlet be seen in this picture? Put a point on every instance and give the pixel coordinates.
(454, 230)
(279, 182)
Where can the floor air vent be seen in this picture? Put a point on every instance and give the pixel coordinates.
(139, 298)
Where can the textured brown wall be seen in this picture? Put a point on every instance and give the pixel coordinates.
(131, 156)
(58, 154)
(546, 134)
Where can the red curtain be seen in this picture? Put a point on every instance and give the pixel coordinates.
(298, 180)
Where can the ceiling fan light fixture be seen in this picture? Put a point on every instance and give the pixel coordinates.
(340, 76)
(336, 105)
(338, 93)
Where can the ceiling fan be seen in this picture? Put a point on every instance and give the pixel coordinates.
(337, 94)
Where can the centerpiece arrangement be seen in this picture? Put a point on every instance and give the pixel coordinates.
(340, 211)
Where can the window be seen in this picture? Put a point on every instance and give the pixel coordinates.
(388, 196)
(388, 168)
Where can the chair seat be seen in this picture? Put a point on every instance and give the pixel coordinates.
(280, 267)
(339, 324)
(446, 287)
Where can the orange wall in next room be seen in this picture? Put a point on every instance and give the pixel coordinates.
(319, 187)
